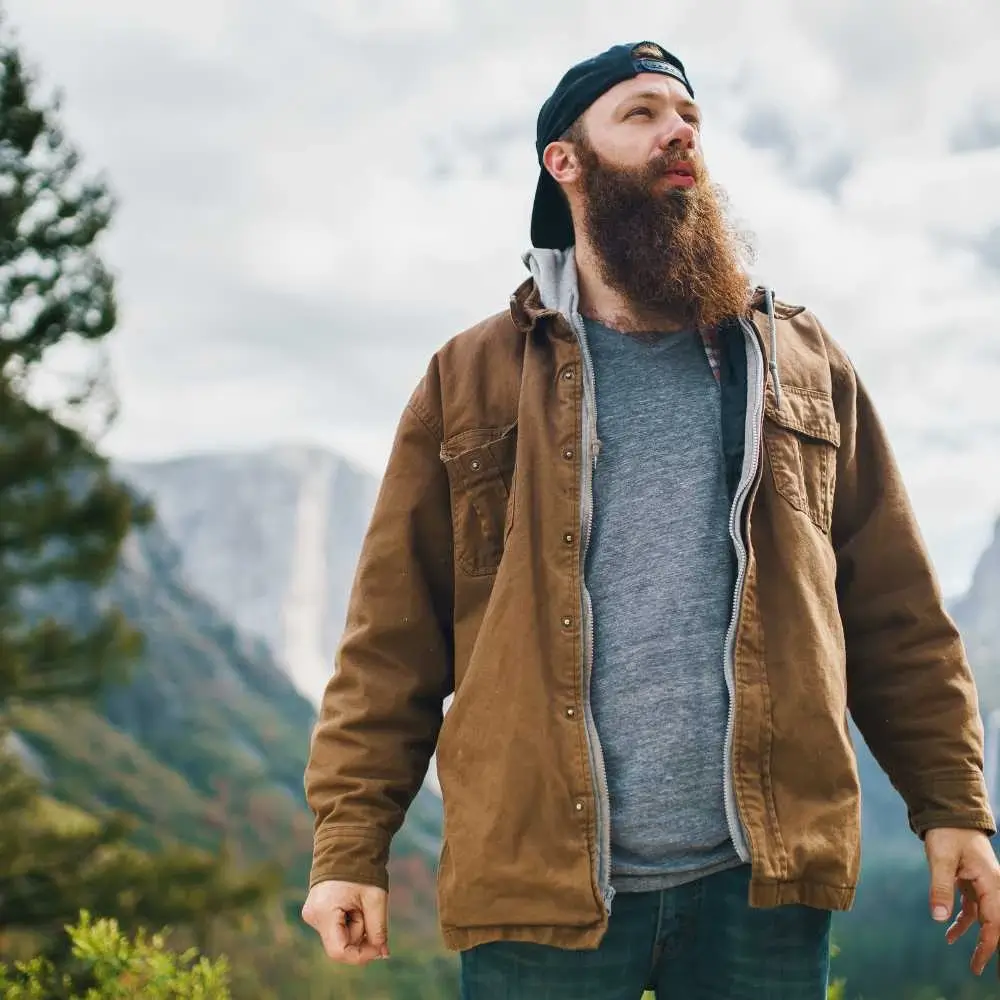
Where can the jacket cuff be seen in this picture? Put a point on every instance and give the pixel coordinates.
(350, 854)
(957, 803)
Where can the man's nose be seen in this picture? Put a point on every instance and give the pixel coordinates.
(679, 134)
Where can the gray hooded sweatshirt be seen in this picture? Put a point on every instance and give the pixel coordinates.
(660, 577)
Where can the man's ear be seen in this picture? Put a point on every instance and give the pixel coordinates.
(560, 159)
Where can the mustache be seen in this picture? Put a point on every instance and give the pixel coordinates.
(662, 165)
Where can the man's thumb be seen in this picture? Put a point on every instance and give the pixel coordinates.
(374, 906)
(944, 871)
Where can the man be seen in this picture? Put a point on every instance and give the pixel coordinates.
(645, 524)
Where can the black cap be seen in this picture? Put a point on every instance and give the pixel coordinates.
(551, 223)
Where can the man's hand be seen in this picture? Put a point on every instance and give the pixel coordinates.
(352, 920)
(965, 859)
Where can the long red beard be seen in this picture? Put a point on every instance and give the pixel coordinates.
(669, 252)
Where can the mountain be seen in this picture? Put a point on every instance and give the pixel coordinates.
(978, 617)
(272, 538)
(207, 741)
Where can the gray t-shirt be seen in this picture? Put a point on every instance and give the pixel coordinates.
(660, 573)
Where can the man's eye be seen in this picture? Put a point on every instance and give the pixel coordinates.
(693, 120)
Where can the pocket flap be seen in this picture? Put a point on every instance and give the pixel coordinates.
(805, 411)
(480, 453)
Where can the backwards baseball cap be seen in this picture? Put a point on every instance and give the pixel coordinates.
(551, 222)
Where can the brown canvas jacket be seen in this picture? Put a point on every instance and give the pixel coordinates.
(470, 580)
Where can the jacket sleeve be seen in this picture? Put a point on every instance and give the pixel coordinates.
(910, 688)
(382, 708)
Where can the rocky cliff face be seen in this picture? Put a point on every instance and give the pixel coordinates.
(272, 538)
(978, 617)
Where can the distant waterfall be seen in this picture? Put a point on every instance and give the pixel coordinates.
(304, 606)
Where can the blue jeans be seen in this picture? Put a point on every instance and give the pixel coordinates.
(700, 941)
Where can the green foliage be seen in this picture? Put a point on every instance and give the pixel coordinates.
(48, 871)
(50, 219)
(835, 991)
(63, 516)
(119, 968)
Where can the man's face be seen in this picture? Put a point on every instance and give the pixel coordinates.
(656, 224)
(636, 122)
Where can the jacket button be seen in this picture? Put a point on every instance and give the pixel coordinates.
(578, 806)
(567, 622)
(474, 465)
(570, 713)
(568, 454)
(568, 538)
(567, 374)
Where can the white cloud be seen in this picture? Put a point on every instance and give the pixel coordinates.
(316, 195)
(384, 19)
(200, 26)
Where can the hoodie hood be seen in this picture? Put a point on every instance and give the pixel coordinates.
(555, 276)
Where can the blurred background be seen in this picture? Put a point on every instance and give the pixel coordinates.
(279, 212)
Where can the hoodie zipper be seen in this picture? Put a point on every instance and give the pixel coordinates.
(591, 446)
(751, 459)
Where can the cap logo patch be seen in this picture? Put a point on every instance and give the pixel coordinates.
(657, 66)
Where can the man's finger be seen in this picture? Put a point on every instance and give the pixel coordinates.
(335, 936)
(989, 937)
(968, 915)
(359, 950)
(355, 927)
(347, 940)
(375, 904)
(964, 921)
(944, 871)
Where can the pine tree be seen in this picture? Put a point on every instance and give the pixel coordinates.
(63, 520)
(63, 517)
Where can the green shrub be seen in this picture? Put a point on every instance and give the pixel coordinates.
(835, 991)
(119, 969)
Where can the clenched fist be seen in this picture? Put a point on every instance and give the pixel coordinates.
(352, 920)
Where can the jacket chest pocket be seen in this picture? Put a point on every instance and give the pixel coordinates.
(802, 438)
(480, 465)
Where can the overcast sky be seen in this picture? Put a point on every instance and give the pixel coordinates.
(316, 194)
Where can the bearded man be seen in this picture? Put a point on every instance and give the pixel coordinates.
(646, 526)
